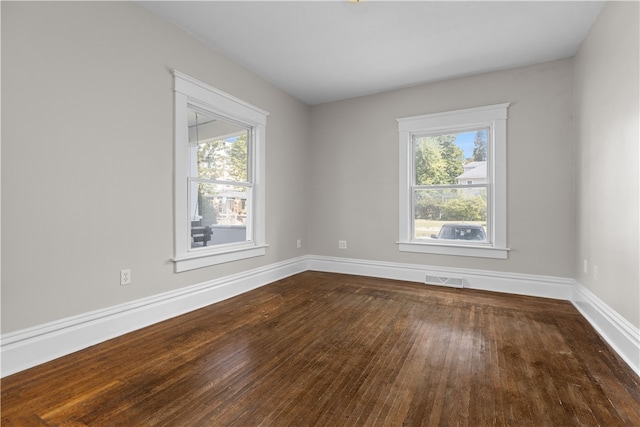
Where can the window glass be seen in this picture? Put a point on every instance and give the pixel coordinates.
(221, 147)
(450, 191)
(219, 172)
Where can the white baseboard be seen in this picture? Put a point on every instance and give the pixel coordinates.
(30, 347)
(621, 335)
(33, 346)
(495, 281)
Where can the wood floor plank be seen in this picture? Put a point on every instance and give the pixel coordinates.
(321, 349)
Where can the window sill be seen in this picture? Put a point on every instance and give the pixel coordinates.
(200, 259)
(453, 249)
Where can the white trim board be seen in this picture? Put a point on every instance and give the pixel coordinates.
(495, 281)
(621, 335)
(30, 347)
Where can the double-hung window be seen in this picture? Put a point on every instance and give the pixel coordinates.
(453, 182)
(218, 176)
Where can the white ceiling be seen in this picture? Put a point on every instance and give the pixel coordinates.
(321, 51)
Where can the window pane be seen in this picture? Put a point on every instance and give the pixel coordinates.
(218, 210)
(451, 158)
(453, 213)
(219, 148)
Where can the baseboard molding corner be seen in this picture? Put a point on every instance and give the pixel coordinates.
(30, 347)
(623, 337)
(619, 333)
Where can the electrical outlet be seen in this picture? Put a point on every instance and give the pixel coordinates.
(585, 266)
(125, 277)
(342, 244)
(299, 244)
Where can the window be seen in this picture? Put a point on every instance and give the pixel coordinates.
(218, 176)
(453, 182)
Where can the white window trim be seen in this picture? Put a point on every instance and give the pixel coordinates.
(494, 116)
(189, 91)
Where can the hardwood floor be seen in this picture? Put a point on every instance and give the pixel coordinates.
(336, 350)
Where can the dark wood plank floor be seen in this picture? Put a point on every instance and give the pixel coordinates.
(337, 350)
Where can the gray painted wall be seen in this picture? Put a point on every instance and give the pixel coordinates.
(354, 168)
(607, 140)
(87, 141)
(87, 162)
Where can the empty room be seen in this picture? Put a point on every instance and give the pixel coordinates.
(327, 213)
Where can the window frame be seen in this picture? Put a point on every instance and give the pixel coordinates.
(191, 92)
(495, 118)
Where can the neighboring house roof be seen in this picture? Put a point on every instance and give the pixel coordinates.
(474, 170)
